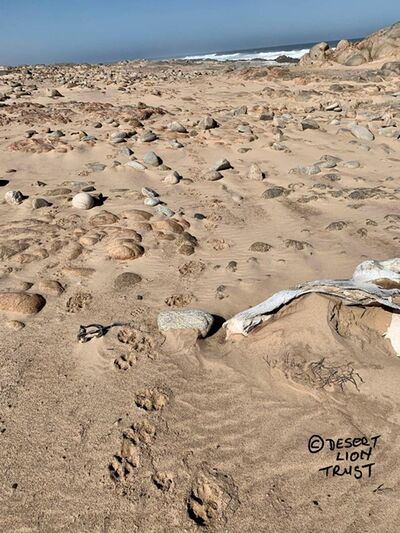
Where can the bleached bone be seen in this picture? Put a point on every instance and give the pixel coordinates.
(360, 290)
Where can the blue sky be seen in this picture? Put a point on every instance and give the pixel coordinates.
(48, 31)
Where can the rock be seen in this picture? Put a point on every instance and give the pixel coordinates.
(123, 249)
(242, 110)
(152, 159)
(137, 165)
(151, 202)
(148, 137)
(232, 266)
(15, 325)
(126, 281)
(118, 137)
(195, 319)
(186, 249)
(212, 175)
(222, 165)
(164, 211)
(260, 247)
(208, 123)
(392, 67)
(97, 167)
(255, 173)
(267, 116)
(21, 302)
(83, 200)
(275, 192)
(175, 144)
(318, 51)
(38, 203)
(362, 132)
(48, 286)
(14, 197)
(309, 124)
(149, 193)
(57, 134)
(53, 93)
(172, 179)
(177, 127)
(104, 218)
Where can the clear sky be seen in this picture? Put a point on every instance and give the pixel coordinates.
(48, 31)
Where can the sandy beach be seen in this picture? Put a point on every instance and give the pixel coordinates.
(210, 186)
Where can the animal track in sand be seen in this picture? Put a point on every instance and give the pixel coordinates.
(125, 361)
(138, 340)
(78, 301)
(163, 481)
(152, 399)
(213, 497)
(179, 300)
(123, 466)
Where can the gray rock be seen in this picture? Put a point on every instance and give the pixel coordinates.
(14, 197)
(222, 165)
(152, 159)
(175, 144)
(52, 93)
(208, 123)
(362, 132)
(135, 164)
(148, 137)
(57, 134)
(152, 202)
(164, 211)
(38, 203)
(275, 192)
(267, 116)
(150, 193)
(177, 127)
(96, 167)
(242, 110)
(195, 319)
(126, 151)
(309, 124)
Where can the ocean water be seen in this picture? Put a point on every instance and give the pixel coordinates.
(268, 54)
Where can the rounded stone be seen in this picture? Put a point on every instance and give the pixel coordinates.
(14, 197)
(194, 319)
(126, 280)
(21, 302)
(83, 200)
(125, 249)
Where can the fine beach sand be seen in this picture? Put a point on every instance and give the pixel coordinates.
(141, 432)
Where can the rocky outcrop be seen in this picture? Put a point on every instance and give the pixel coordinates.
(383, 44)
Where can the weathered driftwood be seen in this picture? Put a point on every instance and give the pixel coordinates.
(373, 283)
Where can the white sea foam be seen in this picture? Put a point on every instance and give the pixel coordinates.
(249, 56)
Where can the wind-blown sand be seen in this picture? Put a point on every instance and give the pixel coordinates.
(141, 431)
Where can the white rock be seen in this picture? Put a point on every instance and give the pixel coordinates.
(196, 319)
(83, 200)
(13, 197)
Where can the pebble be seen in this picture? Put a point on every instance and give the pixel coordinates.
(208, 123)
(152, 202)
(152, 159)
(164, 211)
(83, 200)
(14, 197)
(150, 193)
(172, 179)
(15, 325)
(195, 319)
(38, 203)
(212, 175)
(309, 124)
(177, 127)
(362, 132)
(275, 192)
(126, 280)
(224, 164)
(137, 165)
(148, 137)
(21, 302)
(255, 173)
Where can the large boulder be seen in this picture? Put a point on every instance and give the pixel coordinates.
(382, 44)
